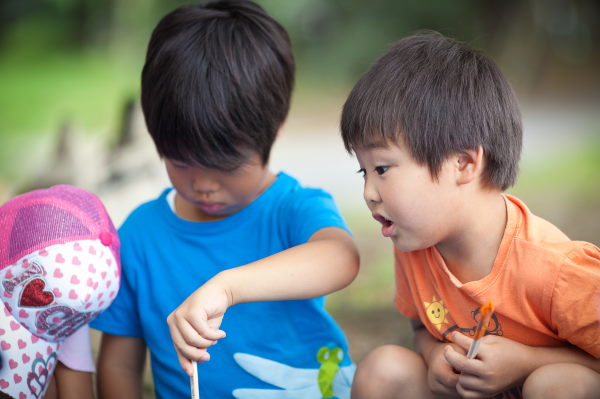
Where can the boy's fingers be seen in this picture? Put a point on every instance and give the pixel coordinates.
(461, 363)
(448, 381)
(452, 358)
(462, 340)
(184, 333)
(195, 338)
(191, 352)
(203, 328)
(185, 364)
(196, 354)
(467, 393)
(470, 383)
(444, 385)
(442, 379)
(199, 322)
(184, 350)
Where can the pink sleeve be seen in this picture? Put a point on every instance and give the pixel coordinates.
(76, 351)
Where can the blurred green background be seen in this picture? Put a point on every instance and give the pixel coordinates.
(71, 68)
(77, 62)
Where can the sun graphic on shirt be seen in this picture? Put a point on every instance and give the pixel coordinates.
(436, 312)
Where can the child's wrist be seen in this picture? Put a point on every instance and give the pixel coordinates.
(222, 282)
(530, 359)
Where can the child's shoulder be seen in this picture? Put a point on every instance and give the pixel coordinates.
(294, 193)
(147, 211)
(301, 209)
(531, 228)
(297, 203)
(536, 235)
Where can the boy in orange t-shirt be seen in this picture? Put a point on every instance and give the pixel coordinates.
(437, 132)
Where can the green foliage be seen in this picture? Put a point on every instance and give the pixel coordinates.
(574, 170)
(39, 95)
(341, 38)
(44, 93)
(75, 61)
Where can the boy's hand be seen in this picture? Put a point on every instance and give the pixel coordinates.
(194, 325)
(442, 379)
(500, 364)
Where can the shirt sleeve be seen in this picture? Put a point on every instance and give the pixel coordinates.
(575, 307)
(309, 211)
(121, 317)
(76, 351)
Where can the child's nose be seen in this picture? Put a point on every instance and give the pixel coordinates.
(370, 193)
(204, 186)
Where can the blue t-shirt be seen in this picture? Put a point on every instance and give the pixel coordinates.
(270, 346)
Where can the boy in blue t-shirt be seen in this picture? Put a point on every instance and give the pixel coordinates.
(216, 88)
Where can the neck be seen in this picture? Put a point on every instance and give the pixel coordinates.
(470, 252)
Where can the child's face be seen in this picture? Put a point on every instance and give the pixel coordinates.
(210, 194)
(415, 210)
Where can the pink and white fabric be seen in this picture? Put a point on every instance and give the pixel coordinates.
(59, 268)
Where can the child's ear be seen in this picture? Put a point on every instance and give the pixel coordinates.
(469, 165)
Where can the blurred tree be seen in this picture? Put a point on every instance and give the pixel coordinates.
(333, 37)
(340, 38)
(63, 60)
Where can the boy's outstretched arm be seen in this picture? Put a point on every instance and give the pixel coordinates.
(502, 363)
(120, 367)
(326, 263)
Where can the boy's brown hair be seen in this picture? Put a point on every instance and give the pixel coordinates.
(217, 83)
(441, 97)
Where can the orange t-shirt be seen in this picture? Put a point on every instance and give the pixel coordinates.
(545, 288)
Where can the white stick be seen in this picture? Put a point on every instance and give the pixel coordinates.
(194, 381)
(473, 349)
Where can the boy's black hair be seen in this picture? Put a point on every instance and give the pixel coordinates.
(216, 84)
(440, 97)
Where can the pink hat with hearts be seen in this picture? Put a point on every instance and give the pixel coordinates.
(59, 269)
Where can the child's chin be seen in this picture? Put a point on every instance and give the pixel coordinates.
(406, 246)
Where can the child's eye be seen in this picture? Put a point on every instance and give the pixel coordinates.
(381, 169)
(362, 171)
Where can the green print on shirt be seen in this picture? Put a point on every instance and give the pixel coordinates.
(330, 360)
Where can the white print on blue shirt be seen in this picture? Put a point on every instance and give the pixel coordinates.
(328, 381)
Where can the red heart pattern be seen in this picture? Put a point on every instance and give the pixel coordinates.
(34, 295)
(81, 277)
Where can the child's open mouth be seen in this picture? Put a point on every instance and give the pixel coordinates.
(387, 226)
